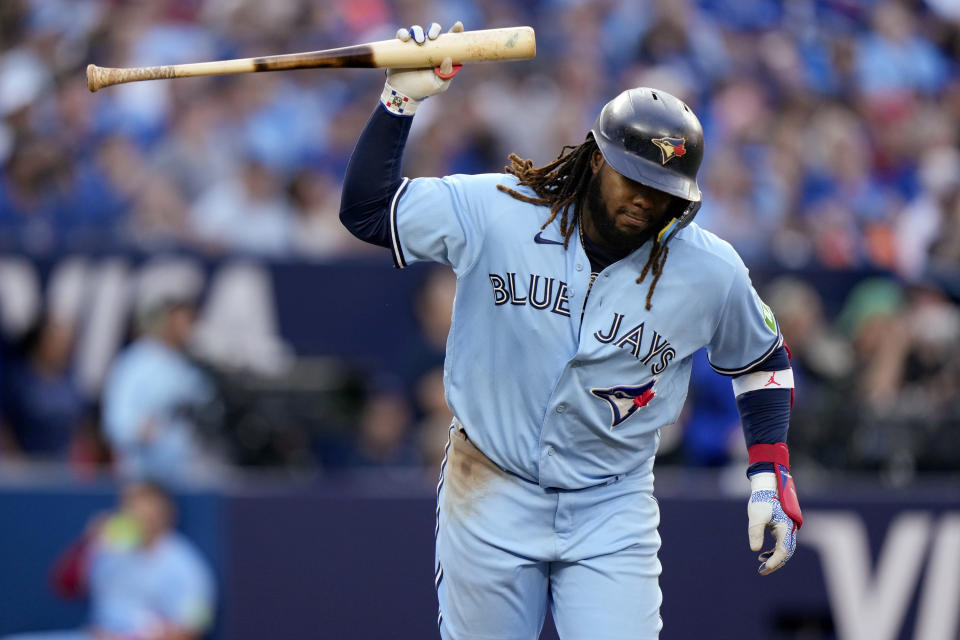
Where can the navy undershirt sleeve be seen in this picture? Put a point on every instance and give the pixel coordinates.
(373, 176)
(765, 413)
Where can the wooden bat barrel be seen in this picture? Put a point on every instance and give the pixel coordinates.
(486, 45)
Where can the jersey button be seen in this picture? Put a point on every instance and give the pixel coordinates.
(550, 451)
(579, 267)
(561, 408)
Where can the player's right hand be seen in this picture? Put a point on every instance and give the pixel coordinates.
(417, 84)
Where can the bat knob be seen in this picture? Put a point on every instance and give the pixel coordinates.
(93, 77)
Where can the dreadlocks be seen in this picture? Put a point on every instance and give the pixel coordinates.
(658, 258)
(559, 185)
(562, 184)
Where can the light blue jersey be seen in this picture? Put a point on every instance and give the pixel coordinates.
(149, 391)
(134, 591)
(565, 394)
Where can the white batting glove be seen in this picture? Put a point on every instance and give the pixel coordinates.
(405, 89)
(766, 511)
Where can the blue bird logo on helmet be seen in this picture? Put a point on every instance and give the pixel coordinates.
(670, 148)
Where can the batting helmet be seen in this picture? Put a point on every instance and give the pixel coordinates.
(653, 138)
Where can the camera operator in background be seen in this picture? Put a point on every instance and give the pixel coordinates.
(153, 397)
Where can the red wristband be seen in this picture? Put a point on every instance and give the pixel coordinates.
(775, 453)
(779, 455)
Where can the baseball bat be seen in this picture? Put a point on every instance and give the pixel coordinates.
(511, 43)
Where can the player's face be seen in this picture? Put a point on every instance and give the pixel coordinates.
(622, 214)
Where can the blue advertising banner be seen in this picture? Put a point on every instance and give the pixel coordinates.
(254, 315)
(355, 560)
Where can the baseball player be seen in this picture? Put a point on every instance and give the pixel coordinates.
(583, 289)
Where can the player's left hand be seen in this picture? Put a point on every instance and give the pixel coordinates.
(767, 510)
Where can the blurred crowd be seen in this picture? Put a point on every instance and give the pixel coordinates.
(832, 147)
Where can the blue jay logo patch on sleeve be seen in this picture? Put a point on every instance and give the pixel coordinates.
(624, 401)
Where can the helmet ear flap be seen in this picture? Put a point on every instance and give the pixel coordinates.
(678, 222)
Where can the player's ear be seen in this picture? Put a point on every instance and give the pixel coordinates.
(596, 161)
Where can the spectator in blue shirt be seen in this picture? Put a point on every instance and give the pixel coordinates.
(44, 406)
(895, 57)
(145, 581)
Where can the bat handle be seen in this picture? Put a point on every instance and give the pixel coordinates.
(99, 77)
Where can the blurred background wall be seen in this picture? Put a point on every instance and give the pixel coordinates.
(173, 274)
